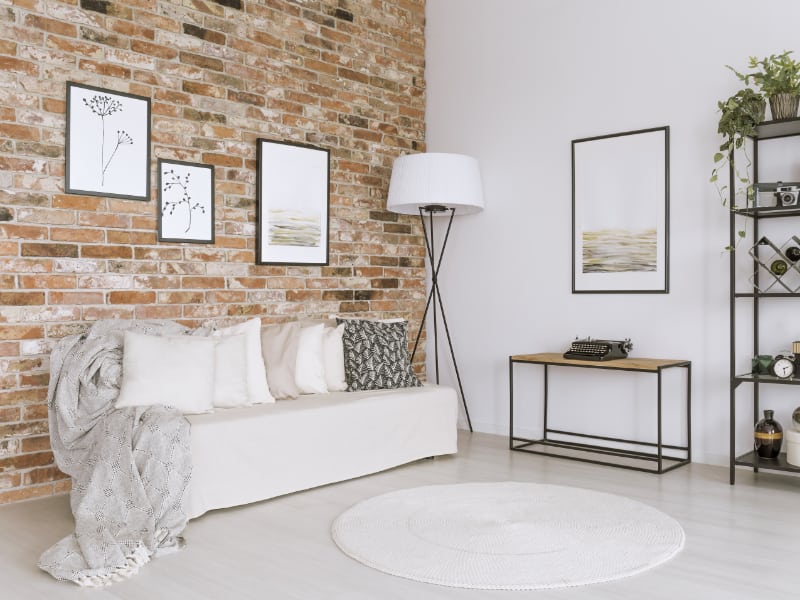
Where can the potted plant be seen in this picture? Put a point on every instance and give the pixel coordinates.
(778, 79)
(740, 115)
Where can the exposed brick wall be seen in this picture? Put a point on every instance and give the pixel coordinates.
(344, 74)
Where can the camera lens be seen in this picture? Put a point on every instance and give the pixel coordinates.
(787, 199)
(778, 267)
(793, 253)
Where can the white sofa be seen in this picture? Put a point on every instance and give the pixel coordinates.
(246, 454)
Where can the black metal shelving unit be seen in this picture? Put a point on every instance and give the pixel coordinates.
(766, 131)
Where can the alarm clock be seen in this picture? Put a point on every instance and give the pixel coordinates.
(783, 366)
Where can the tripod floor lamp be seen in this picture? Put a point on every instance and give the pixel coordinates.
(436, 185)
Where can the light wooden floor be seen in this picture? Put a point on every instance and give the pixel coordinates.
(743, 541)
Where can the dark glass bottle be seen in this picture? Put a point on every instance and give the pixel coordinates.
(793, 253)
(778, 267)
(768, 436)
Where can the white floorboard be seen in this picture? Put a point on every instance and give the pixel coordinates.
(743, 541)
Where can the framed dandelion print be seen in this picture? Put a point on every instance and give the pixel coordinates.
(185, 202)
(292, 203)
(107, 143)
(620, 213)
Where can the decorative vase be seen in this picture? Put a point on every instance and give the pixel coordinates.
(784, 106)
(768, 436)
(796, 418)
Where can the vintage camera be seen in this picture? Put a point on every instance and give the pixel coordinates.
(786, 195)
(780, 194)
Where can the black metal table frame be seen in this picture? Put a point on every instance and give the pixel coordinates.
(659, 457)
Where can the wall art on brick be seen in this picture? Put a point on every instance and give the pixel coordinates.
(185, 202)
(107, 143)
(293, 204)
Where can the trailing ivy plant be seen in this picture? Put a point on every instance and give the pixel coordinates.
(740, 115)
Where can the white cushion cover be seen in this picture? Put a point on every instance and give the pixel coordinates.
(253, 453)
(279, 351)
(230, 380)
(170, 370)
(257, 388)
(309, 372)
(333, 358)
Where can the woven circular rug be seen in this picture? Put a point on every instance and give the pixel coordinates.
(509, 535)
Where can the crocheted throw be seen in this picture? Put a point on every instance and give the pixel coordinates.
(130, 467)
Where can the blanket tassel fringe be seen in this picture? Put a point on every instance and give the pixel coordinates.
(133, 562)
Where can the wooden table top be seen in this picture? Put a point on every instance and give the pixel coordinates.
(629, 364)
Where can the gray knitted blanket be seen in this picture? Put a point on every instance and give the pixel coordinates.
(130, 467)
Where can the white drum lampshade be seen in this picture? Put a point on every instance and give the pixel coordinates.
(435, 181)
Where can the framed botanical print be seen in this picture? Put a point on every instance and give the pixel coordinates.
(293, 189)
(620, 212)
(107, 143)
(185, 202)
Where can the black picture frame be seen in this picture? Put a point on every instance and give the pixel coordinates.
(107, 143)
(293, 203)
(620, 213)
(185, 202)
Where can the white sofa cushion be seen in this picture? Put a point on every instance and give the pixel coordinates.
(253, 453)
(279, 351)
(333, 358)
(257, 389)
(231, 372)
(309, 372)
(170, 370)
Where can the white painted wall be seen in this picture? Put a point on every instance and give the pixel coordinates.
(512, 82)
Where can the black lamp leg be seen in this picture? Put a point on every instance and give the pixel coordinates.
(435, 295)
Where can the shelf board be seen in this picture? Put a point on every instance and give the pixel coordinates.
(749, 377)
(750, 459)
(766, 294)
(775, 129)
(768, 212)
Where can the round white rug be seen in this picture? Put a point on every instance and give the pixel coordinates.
(511, 536)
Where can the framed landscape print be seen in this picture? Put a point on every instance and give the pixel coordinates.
(107, 143)
(185, 202)
(293, 204)
(620, 212)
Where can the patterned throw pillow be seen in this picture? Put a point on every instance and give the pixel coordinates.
(376, 355)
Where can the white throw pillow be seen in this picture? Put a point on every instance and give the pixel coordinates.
(279, 350)
(257, 387)
(309, 372)
(333, 358)
(170, 370)
(230, 379)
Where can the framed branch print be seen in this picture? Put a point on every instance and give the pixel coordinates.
(108, 143)
(620, 213)
(293, 204)
(185, 202)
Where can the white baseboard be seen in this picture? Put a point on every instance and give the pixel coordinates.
(496, 429)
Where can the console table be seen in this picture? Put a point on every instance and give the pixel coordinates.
(637, 460)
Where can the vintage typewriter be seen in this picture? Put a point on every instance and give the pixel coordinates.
(589, 349)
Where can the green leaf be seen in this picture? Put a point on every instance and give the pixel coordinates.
(718, 156)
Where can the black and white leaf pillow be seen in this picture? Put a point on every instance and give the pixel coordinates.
(376, 355)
